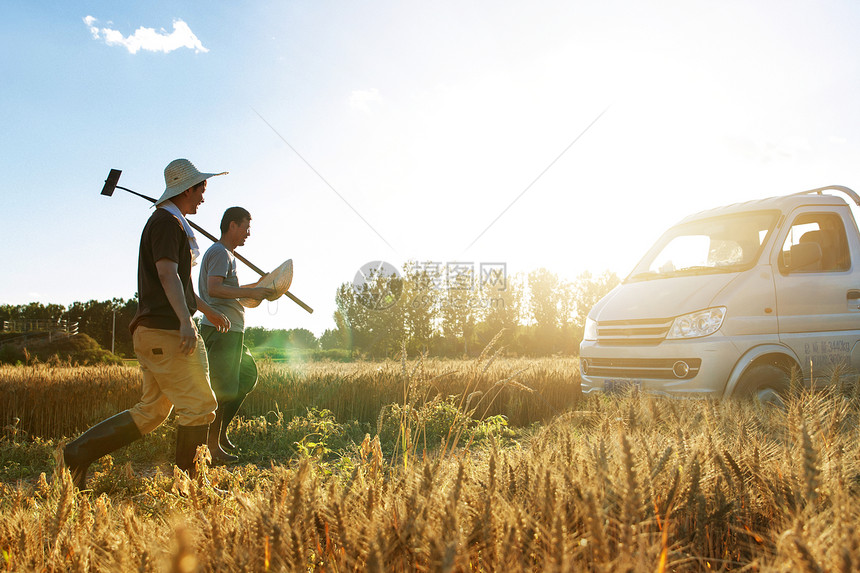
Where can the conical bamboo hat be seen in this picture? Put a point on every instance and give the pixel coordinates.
(279, 279)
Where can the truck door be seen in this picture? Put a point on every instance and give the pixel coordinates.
(817, 295)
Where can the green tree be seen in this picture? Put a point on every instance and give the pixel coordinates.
(32, 311)
(568, 340)
(376, 329)
(420, 303)
(255, 336)
(339, 337)
(330, 339)
(502, 313)
(544, 301)
(302, 338)
(106, 322)
(460, 311)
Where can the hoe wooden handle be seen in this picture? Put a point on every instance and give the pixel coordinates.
(111, 184)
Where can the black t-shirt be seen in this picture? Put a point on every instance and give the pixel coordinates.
(162, 238)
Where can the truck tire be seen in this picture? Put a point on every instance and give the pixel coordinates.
(765, 383)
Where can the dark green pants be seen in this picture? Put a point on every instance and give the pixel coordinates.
(232, 370)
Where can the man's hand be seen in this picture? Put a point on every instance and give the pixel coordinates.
(219, 321)
(258, 293)
(187, 337)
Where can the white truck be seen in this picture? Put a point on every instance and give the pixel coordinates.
(730, 301)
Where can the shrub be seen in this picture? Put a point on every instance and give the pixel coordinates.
(79, 349)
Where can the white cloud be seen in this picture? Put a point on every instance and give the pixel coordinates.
(89, 21)
(361, 99)
(148, 39)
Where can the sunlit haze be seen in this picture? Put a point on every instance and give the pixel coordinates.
(394, 131)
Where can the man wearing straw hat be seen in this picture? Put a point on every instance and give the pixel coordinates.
(168, 347)
(233, 372)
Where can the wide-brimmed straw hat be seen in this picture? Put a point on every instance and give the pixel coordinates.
(179, 175)
(279, 279)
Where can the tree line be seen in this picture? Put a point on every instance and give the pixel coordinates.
(443, 313)
(428, 310)
(96, 319)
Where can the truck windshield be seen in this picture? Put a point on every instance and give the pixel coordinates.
(726, 243)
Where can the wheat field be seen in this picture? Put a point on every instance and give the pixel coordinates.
(52, 402)
(440, 482)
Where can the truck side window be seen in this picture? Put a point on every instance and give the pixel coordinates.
(823, 229)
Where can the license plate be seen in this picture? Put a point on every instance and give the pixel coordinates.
(613, 386)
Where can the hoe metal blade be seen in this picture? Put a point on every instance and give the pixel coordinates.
(111, 181)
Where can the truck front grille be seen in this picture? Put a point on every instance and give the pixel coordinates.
(633, 332)
(647, 368)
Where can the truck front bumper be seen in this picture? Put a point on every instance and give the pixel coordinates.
(681, 368)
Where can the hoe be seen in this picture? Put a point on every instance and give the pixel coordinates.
(111, 185)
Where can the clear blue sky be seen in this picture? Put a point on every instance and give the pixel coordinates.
(428, 118)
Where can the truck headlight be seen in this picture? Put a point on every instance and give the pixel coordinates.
(590, 332)
(697, 324)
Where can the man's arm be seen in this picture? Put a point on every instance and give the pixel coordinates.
(168, 275)
(216, 287)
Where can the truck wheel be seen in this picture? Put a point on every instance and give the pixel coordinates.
(765, 383)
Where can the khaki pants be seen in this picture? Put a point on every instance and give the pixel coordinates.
(170, 379)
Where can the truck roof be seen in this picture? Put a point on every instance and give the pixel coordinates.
(781, 203)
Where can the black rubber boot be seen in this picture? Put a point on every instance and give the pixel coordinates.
(188, 438)
(103, 438)
(230, 410)
(219, 456)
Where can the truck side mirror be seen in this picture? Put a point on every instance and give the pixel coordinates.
(804, 257)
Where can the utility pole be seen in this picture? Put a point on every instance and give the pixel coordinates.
(113, 332)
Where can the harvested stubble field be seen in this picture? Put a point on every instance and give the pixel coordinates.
(623, 483)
